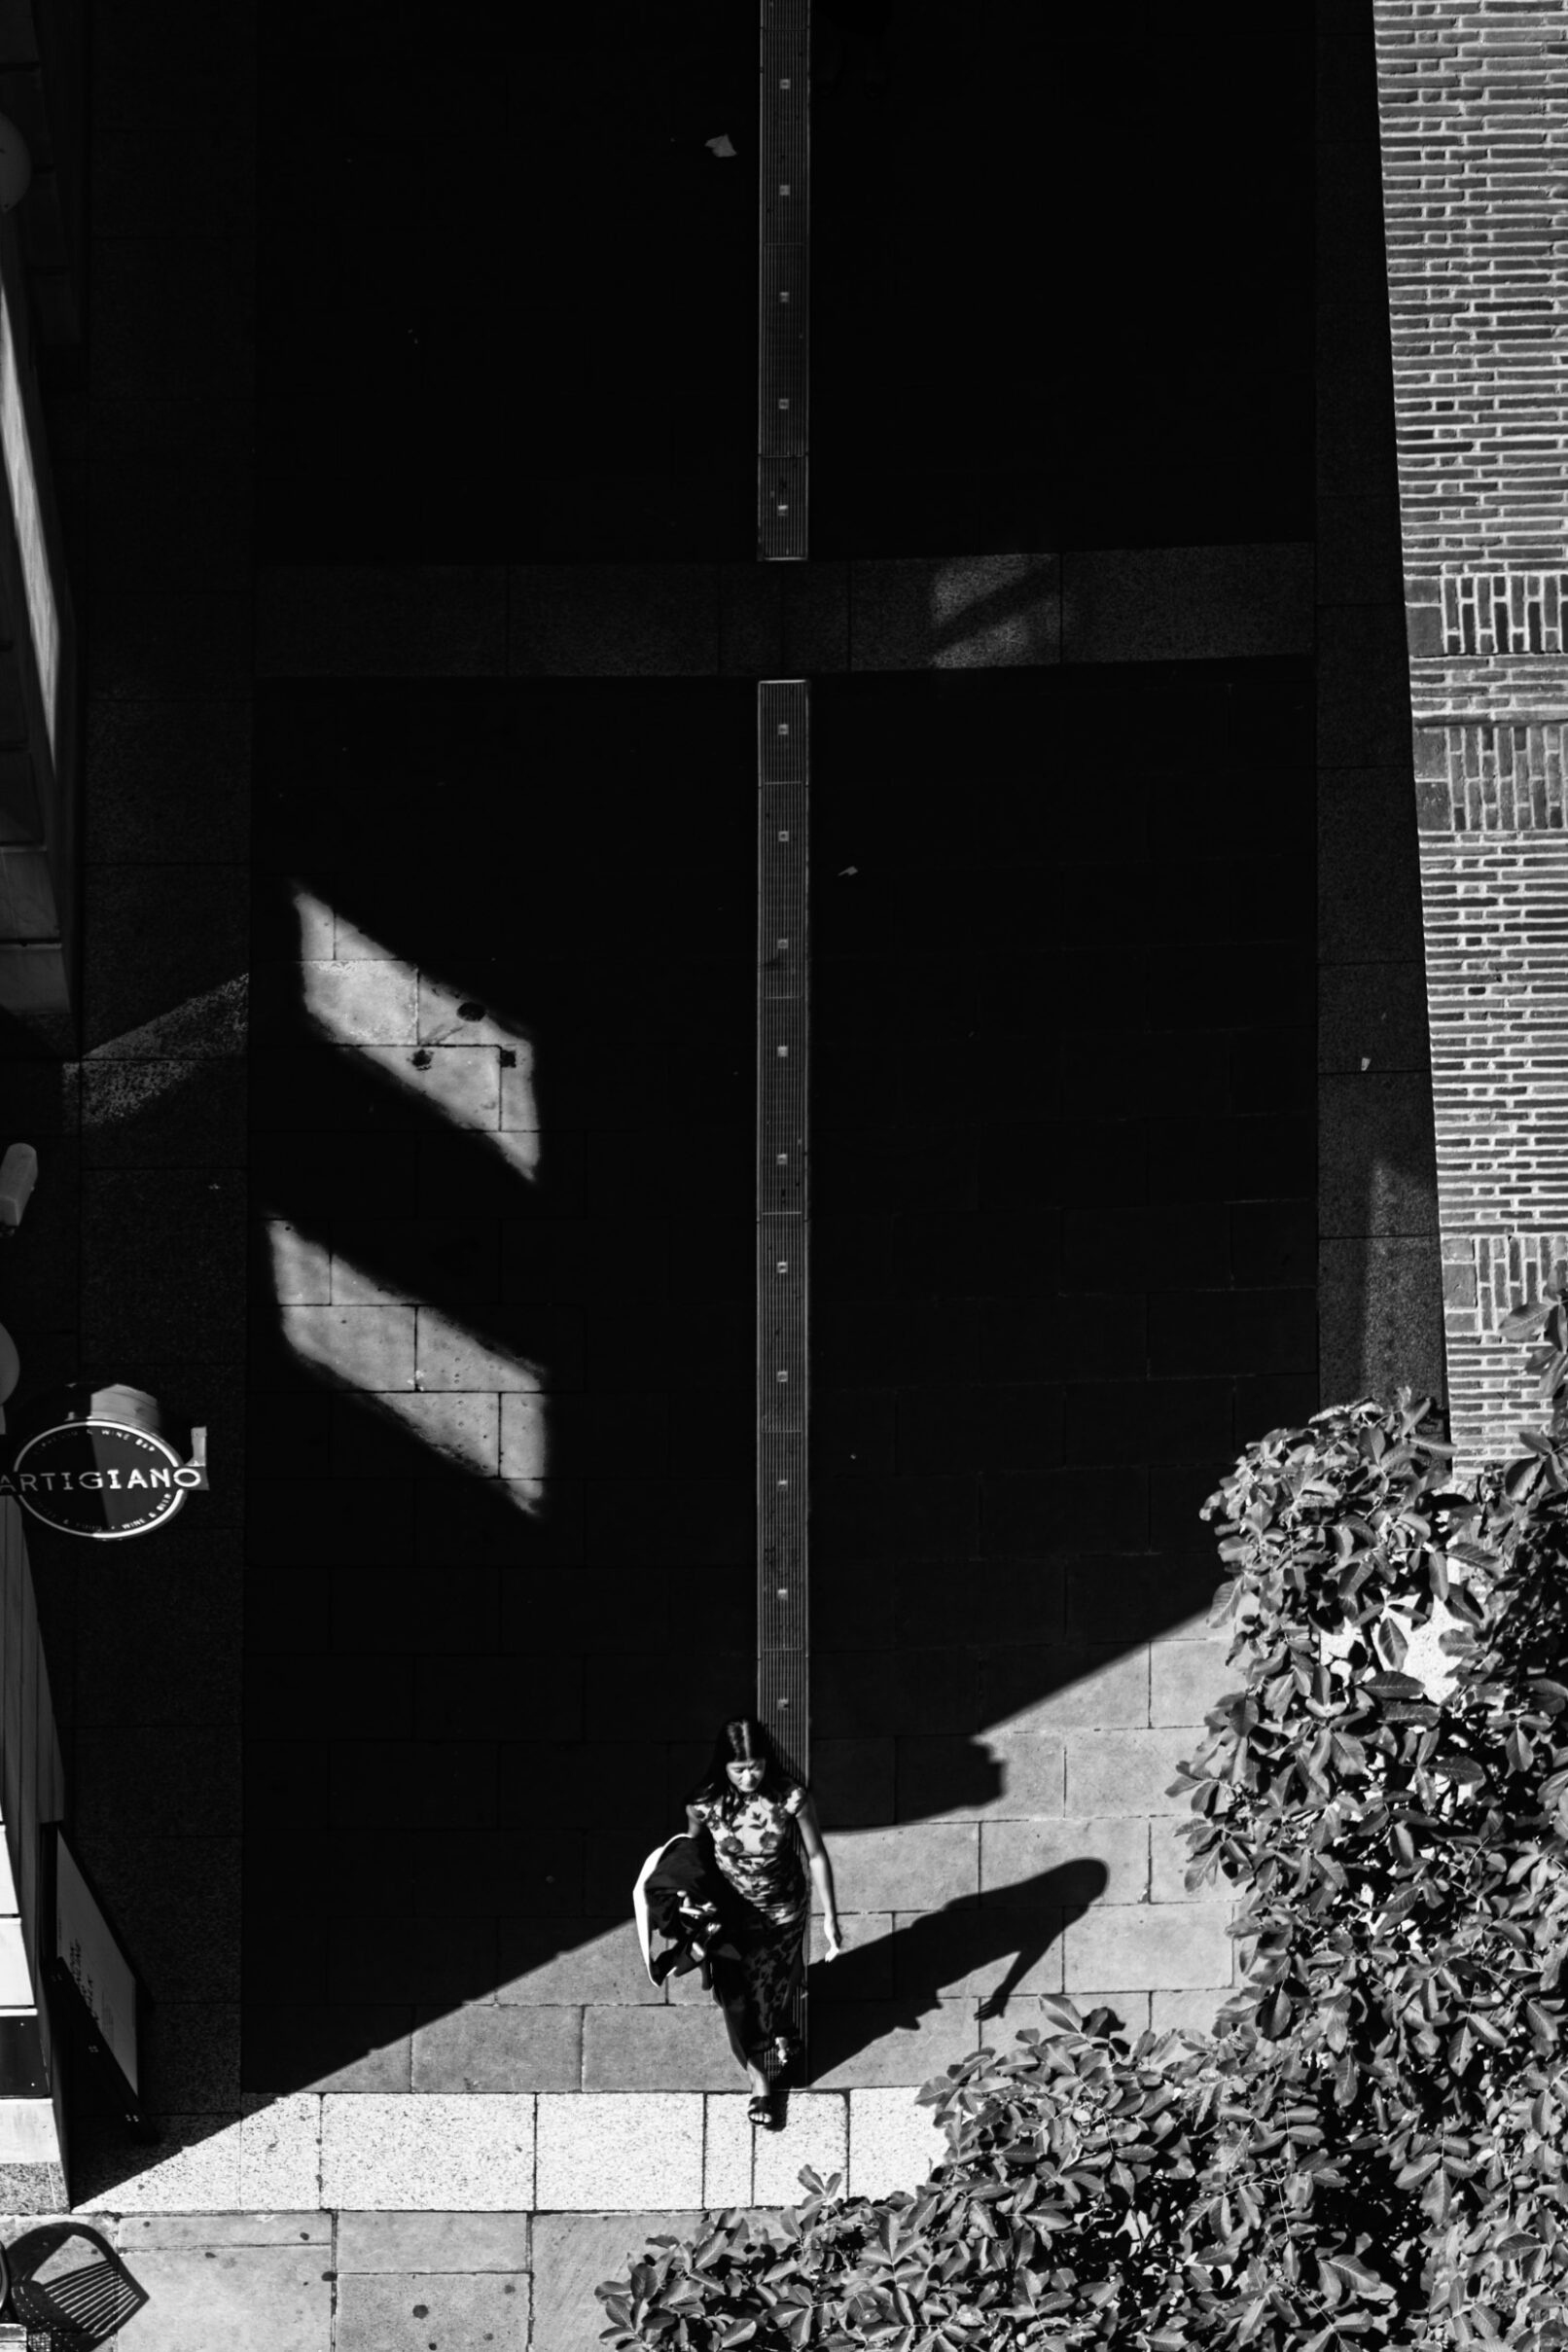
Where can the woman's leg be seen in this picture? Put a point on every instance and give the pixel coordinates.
(775, 1985)
(732, 1990)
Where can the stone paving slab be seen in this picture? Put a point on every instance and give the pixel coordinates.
(729, 2140)
(815, 2133)
(601, 2148)
(409, 2311)
(452, 2153)
(194, 2168)
(281, 2150)
(571, 2253)
(162, 2232)
(245, 2299)
(893, 2144)
(886, 2048)
(434, 2241)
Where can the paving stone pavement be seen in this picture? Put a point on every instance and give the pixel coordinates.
(310, 2276)
(364, 2282)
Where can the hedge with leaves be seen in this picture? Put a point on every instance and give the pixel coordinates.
(1369, 2148)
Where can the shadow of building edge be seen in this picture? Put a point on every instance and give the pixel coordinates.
(985, 1928)
(466, 1147)
(1021, 1921)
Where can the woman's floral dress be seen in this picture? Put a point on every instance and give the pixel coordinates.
(757, 1848)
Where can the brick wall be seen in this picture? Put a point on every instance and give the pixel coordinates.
(1471, 98)
(1473, 103)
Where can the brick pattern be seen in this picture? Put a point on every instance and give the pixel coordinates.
(1492, 779)
(1504, 611)
(1484, 1276)
(1496, 945)
(1473, 105)
(1497, 939)
(1497, 959)
(1495, 689)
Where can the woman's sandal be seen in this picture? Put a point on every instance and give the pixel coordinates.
(761, 2111)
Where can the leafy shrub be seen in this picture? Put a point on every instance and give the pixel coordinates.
(1368, 2150)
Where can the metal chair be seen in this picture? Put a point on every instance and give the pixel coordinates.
(78, 2305)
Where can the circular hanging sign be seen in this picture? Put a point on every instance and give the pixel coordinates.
(104, 1462)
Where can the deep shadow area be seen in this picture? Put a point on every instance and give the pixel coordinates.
(1063, 1172)
(1065, 297)
(473, 1705)
(1065, 1182)
(507, 296)
(1060, 283)
(873, 1989)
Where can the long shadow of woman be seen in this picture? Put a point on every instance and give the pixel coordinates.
(874, 1988)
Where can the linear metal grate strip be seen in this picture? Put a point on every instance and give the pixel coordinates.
(783, 377)
(783, 774)
(784, 291)
(783, 715)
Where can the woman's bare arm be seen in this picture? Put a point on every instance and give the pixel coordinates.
(821, 1869)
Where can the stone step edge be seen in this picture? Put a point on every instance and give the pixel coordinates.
(529, 2152)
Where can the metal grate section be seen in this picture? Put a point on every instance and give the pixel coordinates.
(783, 302)
(783, 719)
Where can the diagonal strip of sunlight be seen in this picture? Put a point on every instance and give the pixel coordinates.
(441, 1045)
(210, 1024)
(471, 1404)
(1015, 640)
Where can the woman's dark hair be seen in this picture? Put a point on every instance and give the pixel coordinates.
(741, 1740)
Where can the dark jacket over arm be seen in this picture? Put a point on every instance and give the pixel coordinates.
(678, 1896)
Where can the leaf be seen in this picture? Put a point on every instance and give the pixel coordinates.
(1395, 1686)
(1388, 1639)
(1460, 1768)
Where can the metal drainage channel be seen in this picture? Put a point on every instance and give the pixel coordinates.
(783, 766)
(783, 279)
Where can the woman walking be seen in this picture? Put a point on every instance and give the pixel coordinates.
(758, 1820)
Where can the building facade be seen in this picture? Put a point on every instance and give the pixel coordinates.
(420, 525)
